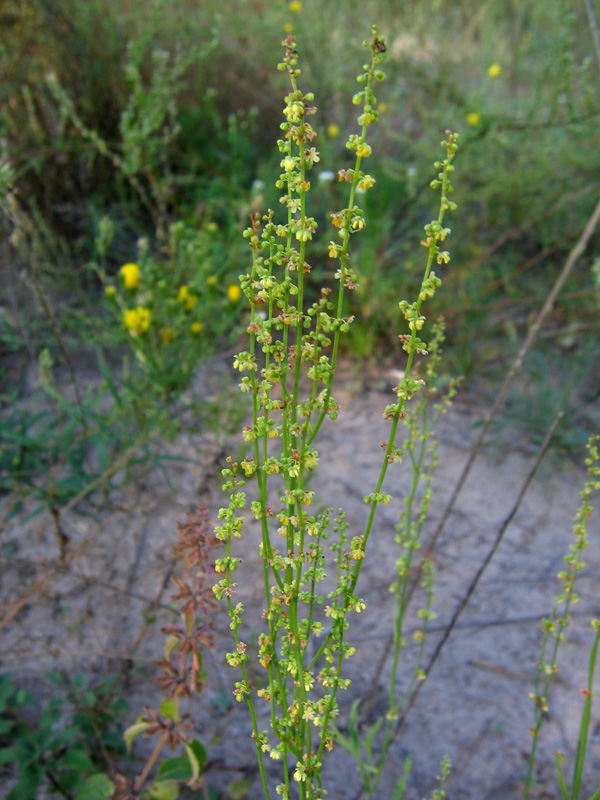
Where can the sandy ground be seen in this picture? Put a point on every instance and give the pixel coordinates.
(91, 614)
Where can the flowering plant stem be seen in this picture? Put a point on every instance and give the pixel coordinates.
(289, 343)
(555, 626)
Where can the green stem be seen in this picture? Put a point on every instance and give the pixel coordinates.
(585, 720)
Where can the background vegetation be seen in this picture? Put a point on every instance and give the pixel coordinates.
(142, 132)
(156, 113)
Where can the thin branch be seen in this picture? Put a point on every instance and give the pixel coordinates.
(474, 583)
(593, 27)
(580, 246)
(530, 338)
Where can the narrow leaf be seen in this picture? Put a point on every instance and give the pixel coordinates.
(564, 791)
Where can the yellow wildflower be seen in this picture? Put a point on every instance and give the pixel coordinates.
(131, 275)
(288, 27)
(494, 70)
(333, 130)
(186, 297)
(363, 150)
(295, 6)
(196, 327)
(234, 293)
(137, 320)
(110, 291)
(183, 293)
(474, 118)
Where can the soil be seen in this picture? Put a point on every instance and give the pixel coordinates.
(102, 609)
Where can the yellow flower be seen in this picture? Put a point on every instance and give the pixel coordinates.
(137, 320)
(494, 70)
(333, 130)
(363, 150)
(382, 108)
(196, 328)
(186, 297)
(474, 118)
(366, 182)
(295, 6)
(110, 291)
(293, 112)
(234, 293)
(183, 294)
(167, 335)
(288, 27)
(131, 275)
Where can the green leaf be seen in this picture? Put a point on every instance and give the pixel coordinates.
(564, 791)
(134, 731)
(169, 708)
(370, 738)
(401, 785)
(63, 738)
(54, 676)
(30, 779)
(9, 755)
(596, 795)
(110, 383)
(96, 787)
(341, 739)
(199, 752)
(78, 759)
(175, 769)
(197, 756)
(237, 790)
(171, 643)
(164, 790)
(354, 713)
(5, 726)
